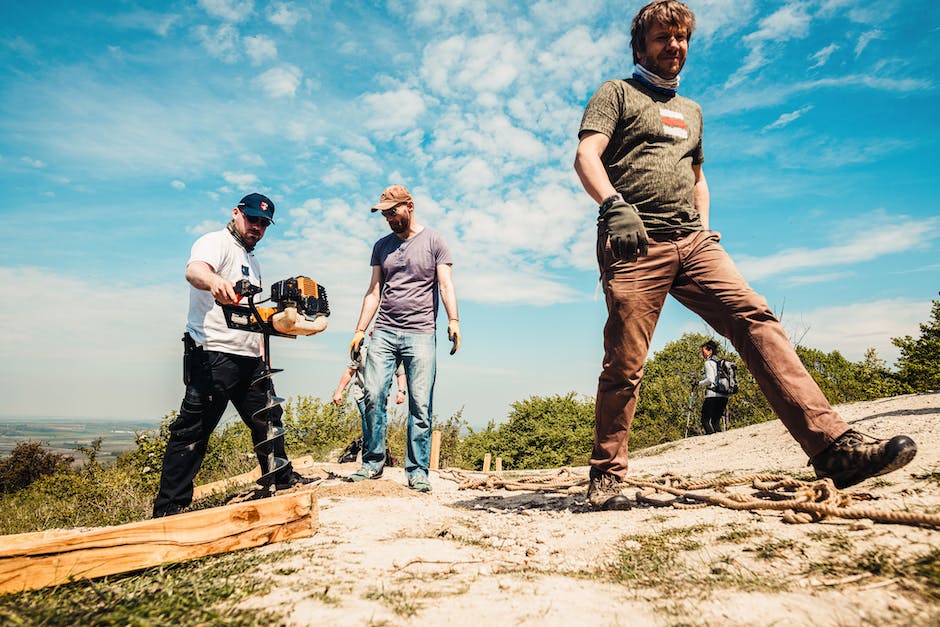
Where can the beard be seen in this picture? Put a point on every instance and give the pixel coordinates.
(400, 224)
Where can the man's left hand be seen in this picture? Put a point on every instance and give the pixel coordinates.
(453, 334)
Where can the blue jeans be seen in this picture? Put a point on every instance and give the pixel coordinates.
(418, 353)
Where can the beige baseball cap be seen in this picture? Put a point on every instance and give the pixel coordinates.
(393, 195)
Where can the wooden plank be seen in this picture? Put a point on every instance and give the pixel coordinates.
(435, 450)
(207, 489)
(202, 491)
(47, 558)
(486, 462)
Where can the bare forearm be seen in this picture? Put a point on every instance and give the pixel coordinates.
(449, 298)
(370, 304)
(590, 167)
(202, 276)
(701, 197)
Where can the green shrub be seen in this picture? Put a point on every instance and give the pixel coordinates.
(919, 362)
(28, 461)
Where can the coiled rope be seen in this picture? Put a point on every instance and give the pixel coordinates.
(800, 501)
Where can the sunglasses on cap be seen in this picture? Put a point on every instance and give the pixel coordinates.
(259, 220)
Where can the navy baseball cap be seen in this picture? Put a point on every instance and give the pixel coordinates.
(257, 205)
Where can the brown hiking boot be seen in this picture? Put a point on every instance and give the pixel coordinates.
(854, 457)
(604, 492)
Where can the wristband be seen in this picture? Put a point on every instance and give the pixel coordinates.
(610, 200)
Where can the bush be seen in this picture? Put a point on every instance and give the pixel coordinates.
(919, 363)
(317, 428)
(538, 433)
(28, 462)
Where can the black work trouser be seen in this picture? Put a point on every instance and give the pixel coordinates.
(713, 408)
(214, 379)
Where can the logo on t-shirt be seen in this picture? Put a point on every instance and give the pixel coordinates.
(674, 124)
(244, 270)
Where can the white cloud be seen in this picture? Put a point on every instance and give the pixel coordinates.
(241, 180)
(259, 49)
(206, 226)
(67, 354)
(177, 184)
(159, 23)
(821, 57)
(252, 158)
(228, 10)
(787, 118)
(715, 19)
(286, 15)
(789, 22)
(865, 39)
(853, 328)
(281, 81)
(393, 110)
(359, 161)
(221, 42)
(720, 101)
(882, 235)
(443, 12)
(488, 63)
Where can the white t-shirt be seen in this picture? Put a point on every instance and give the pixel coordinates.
(206, 322)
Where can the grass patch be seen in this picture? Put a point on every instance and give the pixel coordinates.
(738, 533)
(927, 567)
(662, 561)
(933, 476)
(396, 600)
(205, 591)
(776, 549)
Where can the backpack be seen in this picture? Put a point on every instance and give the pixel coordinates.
(727, 381)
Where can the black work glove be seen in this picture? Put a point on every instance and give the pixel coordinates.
(625, 228)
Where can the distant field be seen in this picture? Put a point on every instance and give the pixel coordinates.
(65, 435)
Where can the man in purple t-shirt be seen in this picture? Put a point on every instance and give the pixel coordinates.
(409, 267)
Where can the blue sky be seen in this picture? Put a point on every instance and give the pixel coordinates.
(127, 129)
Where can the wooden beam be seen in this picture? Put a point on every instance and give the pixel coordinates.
(48, 558)
(207, 489)
(435, 450)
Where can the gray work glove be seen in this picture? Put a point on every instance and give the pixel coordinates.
(625, 228)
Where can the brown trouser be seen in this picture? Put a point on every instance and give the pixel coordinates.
(698, 273)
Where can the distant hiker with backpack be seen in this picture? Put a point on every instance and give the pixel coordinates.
(717, 389)
(639, 157)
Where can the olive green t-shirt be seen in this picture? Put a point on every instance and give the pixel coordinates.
(654, 141)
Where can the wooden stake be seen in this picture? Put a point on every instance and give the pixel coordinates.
(435, 450)
(486, 462)
(48, 558)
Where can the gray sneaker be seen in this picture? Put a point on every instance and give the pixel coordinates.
(604, 492)
(854, 457)
(419, 484)
(364, 473)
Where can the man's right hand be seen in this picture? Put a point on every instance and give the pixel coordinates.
(358, 337)
(223, 290)
(625, 228)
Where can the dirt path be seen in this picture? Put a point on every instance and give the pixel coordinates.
(385, 555)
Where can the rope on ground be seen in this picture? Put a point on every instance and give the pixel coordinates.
(800, 501)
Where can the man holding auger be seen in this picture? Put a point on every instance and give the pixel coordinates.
(221, 364)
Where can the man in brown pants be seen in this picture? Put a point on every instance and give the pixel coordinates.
(640, 157)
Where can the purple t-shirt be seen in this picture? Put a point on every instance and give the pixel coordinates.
(409, 280)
